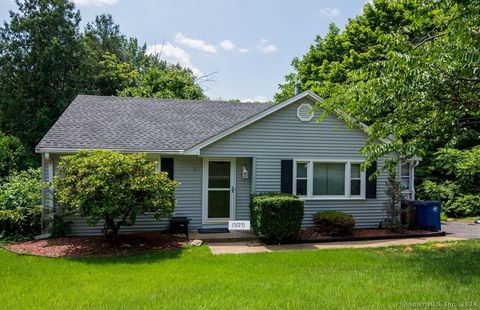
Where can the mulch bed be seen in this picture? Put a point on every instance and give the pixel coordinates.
(127, 244)
(312, 235)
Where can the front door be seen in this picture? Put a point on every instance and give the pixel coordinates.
(219, 190)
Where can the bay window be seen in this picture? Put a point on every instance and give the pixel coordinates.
(329, 179)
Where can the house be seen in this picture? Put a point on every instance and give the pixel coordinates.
(221, 152)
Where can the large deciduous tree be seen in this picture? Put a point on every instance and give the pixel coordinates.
(409, 69)
(165, 81)
(40, 55)
(45, 61)
(425, 92)
(330, 59)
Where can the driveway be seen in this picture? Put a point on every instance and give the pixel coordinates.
(461, 229)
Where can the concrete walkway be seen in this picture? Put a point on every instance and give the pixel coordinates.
(258, 247)
(233, 236)
(454, 231)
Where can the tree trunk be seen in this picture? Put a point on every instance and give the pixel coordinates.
(111, 229)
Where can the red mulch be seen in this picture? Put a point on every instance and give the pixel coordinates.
(312, 233)
(127, 244)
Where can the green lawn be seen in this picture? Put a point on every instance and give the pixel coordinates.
(193, 278)
(468, 219)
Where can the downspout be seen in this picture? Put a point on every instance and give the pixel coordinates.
(47, 195)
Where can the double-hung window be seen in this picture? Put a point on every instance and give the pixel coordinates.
(355, 179)
(406, 177)
(329, 179)
(301, 178)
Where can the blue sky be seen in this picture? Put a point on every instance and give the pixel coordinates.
(250, 44)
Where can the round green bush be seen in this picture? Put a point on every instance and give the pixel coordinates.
(276, 216)
(113, 187)
(334, 223)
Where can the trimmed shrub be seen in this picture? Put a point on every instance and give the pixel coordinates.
(276, 216)
(105, 185)
(21, 204)
(334, 223)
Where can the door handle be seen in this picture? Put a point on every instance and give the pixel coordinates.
(233, 189)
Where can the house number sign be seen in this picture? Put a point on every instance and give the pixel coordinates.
(238, 225)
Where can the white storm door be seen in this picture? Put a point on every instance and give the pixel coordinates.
(218, 190)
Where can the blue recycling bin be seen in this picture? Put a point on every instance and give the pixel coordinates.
(428, 214)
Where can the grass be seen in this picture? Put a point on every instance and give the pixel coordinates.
(468, 219)
(393, 277)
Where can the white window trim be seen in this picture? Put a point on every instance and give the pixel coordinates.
(233, 184)
(301, 178)
(346, 196)
(410, 192)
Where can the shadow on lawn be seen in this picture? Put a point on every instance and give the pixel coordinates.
(99, 248)
(139, 258)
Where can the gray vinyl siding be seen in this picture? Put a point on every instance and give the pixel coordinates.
(242, 198)
(188, 171)
(282, 135)
(278, 136)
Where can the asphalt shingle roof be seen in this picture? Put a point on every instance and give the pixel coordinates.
(92, 122)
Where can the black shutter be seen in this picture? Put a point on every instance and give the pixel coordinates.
(286, 176)
(167, 166)
(371, 190)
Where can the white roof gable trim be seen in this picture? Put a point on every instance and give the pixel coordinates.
(195, 150)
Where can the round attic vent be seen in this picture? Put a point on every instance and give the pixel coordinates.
(304, 112)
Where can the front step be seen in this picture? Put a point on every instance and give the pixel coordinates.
(232, 236)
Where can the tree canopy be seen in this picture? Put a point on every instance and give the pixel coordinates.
(46, 60)
(40, 59)
(424, 92)
(410, 70)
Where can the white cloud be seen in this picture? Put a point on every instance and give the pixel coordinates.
(195, 43)
(227, 45)
(266, 47)
(330, 12)
(173, 54)
(369, 2)
(95, 2)
(257, 98)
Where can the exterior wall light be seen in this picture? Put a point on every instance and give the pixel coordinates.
(244, 172)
